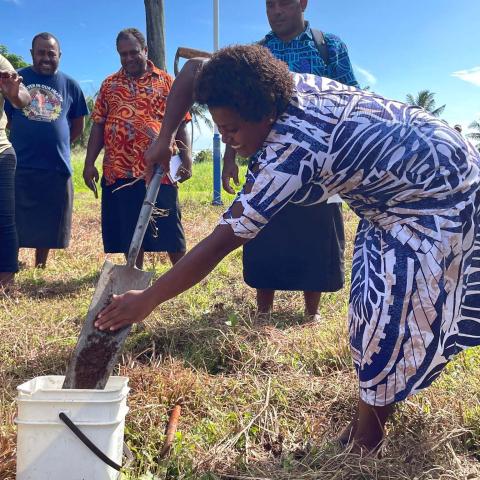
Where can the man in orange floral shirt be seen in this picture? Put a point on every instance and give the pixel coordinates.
(127, 117)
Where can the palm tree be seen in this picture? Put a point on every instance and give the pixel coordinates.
(426, 99)
(475, 135)
(199, 114)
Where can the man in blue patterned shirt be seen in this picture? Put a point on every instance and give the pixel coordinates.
(301, 52)
(302, 247)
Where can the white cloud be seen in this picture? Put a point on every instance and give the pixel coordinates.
(369, 77)
(471, 76)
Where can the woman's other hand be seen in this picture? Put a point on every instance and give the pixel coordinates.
(159, 153)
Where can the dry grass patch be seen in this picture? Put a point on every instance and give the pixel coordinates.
(261, 398)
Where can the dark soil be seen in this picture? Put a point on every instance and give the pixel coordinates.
(96, 361)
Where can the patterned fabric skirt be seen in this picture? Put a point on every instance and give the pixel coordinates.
(43, 208)
(301, 249)
(8, 232)
(415, 300)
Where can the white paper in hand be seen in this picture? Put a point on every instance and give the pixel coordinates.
(334, 199)
(175, 164)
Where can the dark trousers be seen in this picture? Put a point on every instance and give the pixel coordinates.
(8, 232)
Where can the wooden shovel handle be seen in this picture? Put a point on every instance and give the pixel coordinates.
(185, 52)
(170, 431)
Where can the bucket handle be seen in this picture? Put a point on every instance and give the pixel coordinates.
(93, 448)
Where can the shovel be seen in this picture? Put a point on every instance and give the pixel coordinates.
(97, 352)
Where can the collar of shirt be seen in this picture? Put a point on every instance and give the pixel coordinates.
(151, 70)
(305, 35)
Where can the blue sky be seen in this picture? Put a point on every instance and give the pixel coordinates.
(396, 46)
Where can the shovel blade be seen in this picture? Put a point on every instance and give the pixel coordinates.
(97, 352)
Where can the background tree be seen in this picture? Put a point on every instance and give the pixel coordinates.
(155, 20)
(475, 135)
(426, 100)
(199, 115)
(203, 156)
(16, 60)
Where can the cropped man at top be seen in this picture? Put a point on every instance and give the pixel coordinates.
(286, 255)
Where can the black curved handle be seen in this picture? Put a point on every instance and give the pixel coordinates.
(87, 442)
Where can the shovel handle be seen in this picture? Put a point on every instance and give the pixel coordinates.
(187, 53)
(144, 217)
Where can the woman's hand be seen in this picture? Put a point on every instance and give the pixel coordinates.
(10, 84)
(230, 171)
(185, 171)
(12, 88)
(160, 152)
(131, 307)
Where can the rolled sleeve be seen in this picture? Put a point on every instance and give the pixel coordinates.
(272, 180)
(5, 64)
(79, 107)
(100, 110)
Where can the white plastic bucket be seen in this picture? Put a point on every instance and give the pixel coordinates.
(48, 449)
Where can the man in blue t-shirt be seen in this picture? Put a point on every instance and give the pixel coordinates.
(41, 134)
(287, 255)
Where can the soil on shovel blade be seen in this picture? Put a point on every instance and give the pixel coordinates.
(94, 359)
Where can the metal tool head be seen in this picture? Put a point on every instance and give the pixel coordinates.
(97, 352)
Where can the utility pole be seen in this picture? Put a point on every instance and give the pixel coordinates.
(217, 184)
(155, 20)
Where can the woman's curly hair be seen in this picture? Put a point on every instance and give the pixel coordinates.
(247, 79)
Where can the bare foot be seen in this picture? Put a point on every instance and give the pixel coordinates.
(7, 284)
(347, 434)
(262, 317)
(6, 279)
(370, 431)
(308, 318)
(367, 448)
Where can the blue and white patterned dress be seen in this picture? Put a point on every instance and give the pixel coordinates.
(414, 183)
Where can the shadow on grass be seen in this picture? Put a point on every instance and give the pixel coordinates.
(222, 342)
(43, 288)
(198, 342)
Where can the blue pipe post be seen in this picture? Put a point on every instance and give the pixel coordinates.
(217, 182)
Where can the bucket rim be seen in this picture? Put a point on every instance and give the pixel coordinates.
(119, 399)
(81, 423)
(23, 389)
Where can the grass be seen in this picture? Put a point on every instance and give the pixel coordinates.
(259, 400)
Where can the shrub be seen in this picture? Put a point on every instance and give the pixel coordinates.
(203, 156)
